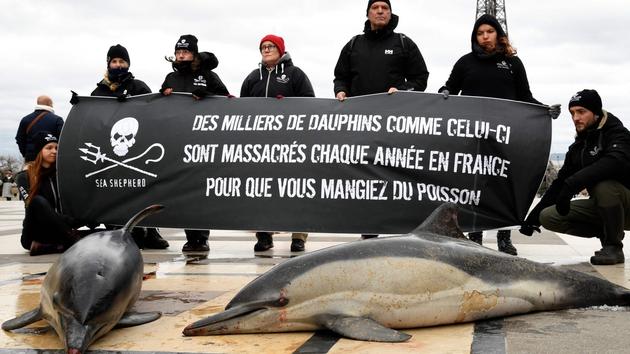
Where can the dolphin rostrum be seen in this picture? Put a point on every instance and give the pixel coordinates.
(365, 290)
(91, 287)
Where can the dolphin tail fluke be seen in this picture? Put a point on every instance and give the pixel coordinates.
(131, 319)
(24, 319)
(443, 221)
(152, 209)
(363, 329)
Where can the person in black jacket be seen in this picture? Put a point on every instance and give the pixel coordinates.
(42, 119)
(192, 72)
(276, 76)
(45, 229)
(598, 161)
(119, 82)
(492, 69)
(379, 60)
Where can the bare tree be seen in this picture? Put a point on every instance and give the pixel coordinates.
(12, 163)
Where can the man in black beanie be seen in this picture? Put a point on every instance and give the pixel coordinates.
(598, 161)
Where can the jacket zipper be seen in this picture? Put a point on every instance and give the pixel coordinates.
(267, 85)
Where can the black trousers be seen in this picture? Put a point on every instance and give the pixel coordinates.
(43, 224)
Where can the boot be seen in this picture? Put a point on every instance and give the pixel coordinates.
(154, 240)
(38, 248)
(612, 248)
(138, 234)
(297, 245)
(505, 243)
(265, 241)
(476, 237)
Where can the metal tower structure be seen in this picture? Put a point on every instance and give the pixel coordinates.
(495, 8)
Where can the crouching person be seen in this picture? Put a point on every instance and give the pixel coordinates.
(44, 229)
(598, 161)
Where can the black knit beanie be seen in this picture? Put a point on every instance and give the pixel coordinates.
(42, 138)
(588, 99)
(117, 51)
(370, 2)
(188, 42)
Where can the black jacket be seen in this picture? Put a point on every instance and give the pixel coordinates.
(285, 80)
(598, 154)
(47, 187)
(376, 60)
(202, 82)
(128, 86)
(48, 123)
(489, 75)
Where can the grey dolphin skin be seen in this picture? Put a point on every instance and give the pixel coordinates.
(91, 287)
(365, 290)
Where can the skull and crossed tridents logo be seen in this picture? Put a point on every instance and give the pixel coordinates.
(122, 138)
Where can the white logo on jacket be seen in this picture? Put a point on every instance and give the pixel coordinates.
(282, 79)
(200, 81)
(389, 52)
(503, 65)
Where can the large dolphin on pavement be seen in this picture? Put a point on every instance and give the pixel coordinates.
(366, 289)
(91, 287)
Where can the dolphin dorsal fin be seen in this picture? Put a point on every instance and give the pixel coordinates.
(442, 221)
(152, 209)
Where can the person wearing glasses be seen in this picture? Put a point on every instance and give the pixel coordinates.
(276, 76)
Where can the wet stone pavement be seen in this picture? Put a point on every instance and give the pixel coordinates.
(189, 287)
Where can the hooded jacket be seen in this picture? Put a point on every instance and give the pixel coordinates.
(598, 154)
(284, 79)
(202, 82)
(376, 60)
(128, 86)
(489, 75)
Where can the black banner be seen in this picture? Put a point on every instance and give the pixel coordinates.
(371, 164)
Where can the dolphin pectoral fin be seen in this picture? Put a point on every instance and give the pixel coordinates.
(442, 221)
(361, 328)
(24, 319)
(130, 319)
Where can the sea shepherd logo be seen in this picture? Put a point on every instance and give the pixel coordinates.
(122, 139)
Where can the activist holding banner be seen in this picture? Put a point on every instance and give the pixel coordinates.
(492, 69)
(598, 161)
(45, 228)
(379, 60)
(276, 76)
(119, 82)
(42, 119)
(192, 72)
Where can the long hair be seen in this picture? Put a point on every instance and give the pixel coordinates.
(35, 171)
(504, 46)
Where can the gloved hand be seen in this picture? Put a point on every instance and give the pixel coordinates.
(563, 201)
(75, 98)
(531, 223)
(445, 93)
(122, 97)
(554, 111)
(528, 230)
(279, 97)
(230, 95)
(199, 94)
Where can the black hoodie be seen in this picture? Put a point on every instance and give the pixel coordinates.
(202, 82)
(285, 80)
(489, 75)
(376, 60)
(128, 85)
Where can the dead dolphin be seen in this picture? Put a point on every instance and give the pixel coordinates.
(365, 290)
(91, 287)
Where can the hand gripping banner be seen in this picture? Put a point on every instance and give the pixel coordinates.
(371, 164)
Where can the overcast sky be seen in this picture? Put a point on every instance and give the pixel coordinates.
(52, 47)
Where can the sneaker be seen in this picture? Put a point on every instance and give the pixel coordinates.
(608, 255)
(265, 241)
(368, 236)
(39, 248)
(297, 245)
(505, 243)
(154, 240)
(196, 246)
(138, 234)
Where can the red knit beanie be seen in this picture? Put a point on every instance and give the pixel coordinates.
(277, 40)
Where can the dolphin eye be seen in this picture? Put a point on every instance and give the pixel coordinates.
(283, 301)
